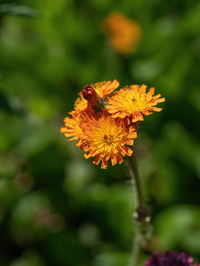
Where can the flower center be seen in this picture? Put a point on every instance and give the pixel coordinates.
(108, 139)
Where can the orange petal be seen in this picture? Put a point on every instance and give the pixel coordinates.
(113, 159)
(142, 89)
(127, 150)
(161, 100)
(156, 96)
(63, 129)
(87, 155)
(137, 117)
(97, 159)
(151, 91)
(156, 109)
(123, 152)
(119, 159)
(130, 142)
(147, 112)
(104, 164)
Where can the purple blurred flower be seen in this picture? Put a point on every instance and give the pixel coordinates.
(171, 258)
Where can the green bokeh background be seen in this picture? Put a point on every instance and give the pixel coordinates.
(56, 208)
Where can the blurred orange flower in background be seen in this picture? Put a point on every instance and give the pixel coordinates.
(123, 33)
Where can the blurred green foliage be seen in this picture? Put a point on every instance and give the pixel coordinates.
(56, 208)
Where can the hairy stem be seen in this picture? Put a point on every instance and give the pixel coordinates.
(136, 179)
(135, 252)
(141, 226)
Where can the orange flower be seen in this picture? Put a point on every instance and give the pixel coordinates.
(102, 89)
(104, 130)
(106, 138)
(123, 33)
(133, 102)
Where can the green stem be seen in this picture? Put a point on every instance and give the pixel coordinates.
(135, 252)
(136, 179)
(141, 214)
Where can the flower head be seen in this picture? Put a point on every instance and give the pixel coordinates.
(170, 258)
(123, 33)
(106, 138)
(133, 102)
(106, 131)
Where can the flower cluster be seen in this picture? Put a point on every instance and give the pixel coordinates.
(171, 258)
(105, 126)
(123, 33)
